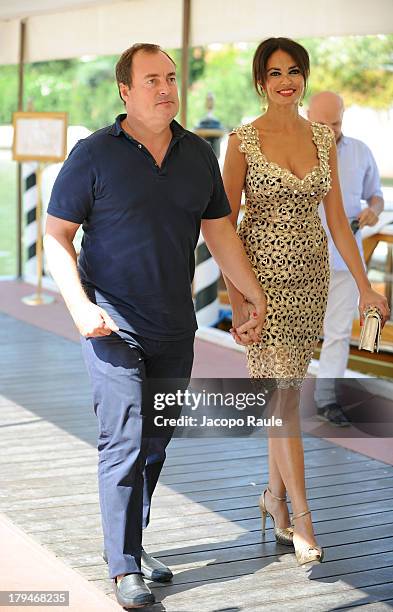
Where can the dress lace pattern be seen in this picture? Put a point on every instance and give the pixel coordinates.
(287, 247)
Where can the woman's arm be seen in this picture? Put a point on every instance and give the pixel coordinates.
(234, 173)
(346, 244)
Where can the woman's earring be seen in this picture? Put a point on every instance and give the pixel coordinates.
(301, 103)
(263, 106)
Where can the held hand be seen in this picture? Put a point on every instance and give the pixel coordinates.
(240, 316)
(93, 321)
(248, 320)
(369, 297)
(367, 217)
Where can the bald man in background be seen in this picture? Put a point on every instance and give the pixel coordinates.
(360, 181)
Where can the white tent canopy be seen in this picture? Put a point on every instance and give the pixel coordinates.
(57, 29)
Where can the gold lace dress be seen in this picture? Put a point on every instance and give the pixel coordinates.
(287, 247)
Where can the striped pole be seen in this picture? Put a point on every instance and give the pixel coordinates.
(35, 233)
(30, 194)
(205, 286)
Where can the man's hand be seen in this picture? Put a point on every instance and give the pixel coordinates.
(93, 321)
(248, 320)
(367, 217)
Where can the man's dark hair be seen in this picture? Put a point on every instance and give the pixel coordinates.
(266, 48)
(124, 65)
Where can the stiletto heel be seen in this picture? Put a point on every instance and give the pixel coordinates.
(282, 535)
(264, 514)
(307, 554)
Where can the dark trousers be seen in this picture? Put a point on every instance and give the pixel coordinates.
(129, 463)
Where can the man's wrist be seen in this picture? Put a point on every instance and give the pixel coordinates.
(77, 304)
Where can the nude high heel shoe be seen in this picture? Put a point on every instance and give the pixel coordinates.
(307, 554)
(282, 535)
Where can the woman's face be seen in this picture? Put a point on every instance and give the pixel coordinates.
(284, 82)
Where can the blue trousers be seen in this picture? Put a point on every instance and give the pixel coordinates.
(129, 463)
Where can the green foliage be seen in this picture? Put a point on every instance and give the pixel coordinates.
(227, 75)
(358, 67)
(7, 218)
(87, 90)
(8, 93)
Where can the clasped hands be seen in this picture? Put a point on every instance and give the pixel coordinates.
(248, 317)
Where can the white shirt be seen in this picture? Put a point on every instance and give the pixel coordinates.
(359, 180)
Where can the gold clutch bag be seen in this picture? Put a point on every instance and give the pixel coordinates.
(371, 331)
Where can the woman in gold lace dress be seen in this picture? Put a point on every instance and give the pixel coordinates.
(287, 166)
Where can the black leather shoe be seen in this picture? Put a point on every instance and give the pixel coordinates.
(151, 568)
(132, 592)
(334, 414)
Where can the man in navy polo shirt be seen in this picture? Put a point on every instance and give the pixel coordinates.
(142, 188)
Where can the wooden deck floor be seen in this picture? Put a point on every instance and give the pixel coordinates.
(205, 522)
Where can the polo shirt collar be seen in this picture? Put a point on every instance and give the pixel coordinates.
(116, 130)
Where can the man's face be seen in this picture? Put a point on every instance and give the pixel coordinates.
(152, 98)
(329, 111)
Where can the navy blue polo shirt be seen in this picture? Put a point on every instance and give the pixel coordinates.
(141, 224)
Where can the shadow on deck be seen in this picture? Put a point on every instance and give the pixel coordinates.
(205, 520)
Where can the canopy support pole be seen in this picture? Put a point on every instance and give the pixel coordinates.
(185, 60)
(19, 209)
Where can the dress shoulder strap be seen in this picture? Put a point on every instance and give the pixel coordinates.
(248, 136)
(324, 136)
(324, 139)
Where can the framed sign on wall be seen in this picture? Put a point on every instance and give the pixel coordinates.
(40, 137)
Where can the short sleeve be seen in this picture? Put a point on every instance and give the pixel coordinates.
(239, 133)
(371, 181)
(218, 205)
(331, 139)
(72, 195)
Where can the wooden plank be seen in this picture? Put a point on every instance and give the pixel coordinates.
(249, 545)
(270, 566)
(260, 588)
(378, 598)
(181, 561)
(261, 478)
(51, 432)
(192, 479)
(259, 596)
(91, 526)
(193, 523)
(51, 452)
(240, 498)
(51, 457)
(323, 457)
(235, 467)
(198, 517)
(244, 508)
(50, 486)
